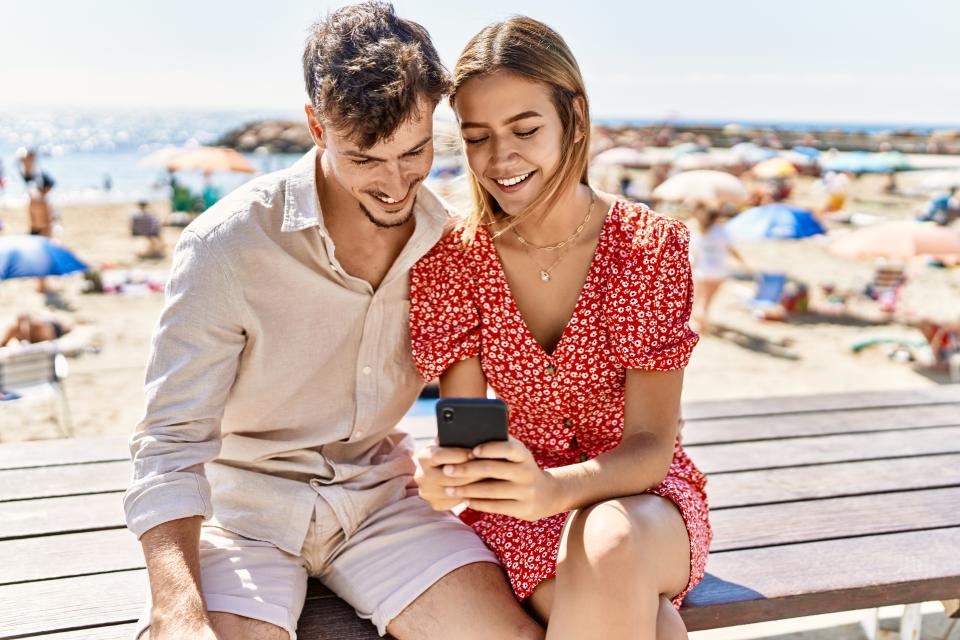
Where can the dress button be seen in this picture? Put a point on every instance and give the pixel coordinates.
(582, 457)
(573, 443)
(551, 370)
(568, 423)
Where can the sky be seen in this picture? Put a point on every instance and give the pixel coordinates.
(842, 61)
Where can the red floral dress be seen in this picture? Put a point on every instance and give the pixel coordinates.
(567, 406)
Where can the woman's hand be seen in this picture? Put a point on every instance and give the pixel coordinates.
(503, 478)
(431, 479)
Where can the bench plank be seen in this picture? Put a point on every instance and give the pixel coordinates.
(824, 577)
(43, 453)
(823, 423)
(45, 516)
(832, 480)
(112, 632)
(71, 603)
(71, 554)
(789, 452)
(66, 480)
(793, 522)
(821, 402)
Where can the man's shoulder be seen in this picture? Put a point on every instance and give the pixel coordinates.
(254, 206)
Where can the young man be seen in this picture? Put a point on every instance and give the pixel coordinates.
(281, 364)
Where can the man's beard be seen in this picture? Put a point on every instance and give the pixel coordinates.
(392, 224)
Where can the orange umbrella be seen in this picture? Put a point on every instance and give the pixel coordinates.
(211, 159)
(774, 168)
(899, 241)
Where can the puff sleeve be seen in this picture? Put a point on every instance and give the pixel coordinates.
(444, 316)
(651, 300)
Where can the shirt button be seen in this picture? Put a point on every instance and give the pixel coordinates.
(568, 423)
(367, 371)
(582, 457)
(551, 370)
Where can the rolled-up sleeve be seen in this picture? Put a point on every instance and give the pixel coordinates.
(193, 363)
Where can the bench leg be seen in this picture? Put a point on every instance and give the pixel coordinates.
(871, 623)
(911, 622)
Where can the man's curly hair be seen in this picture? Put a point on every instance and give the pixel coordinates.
(365, 69)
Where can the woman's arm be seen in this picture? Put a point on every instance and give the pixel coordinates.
(464, 379)
(651, 415)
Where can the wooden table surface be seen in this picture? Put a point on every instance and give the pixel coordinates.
(818, 504)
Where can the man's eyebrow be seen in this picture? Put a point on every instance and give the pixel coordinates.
(360, 154)
(511, 120)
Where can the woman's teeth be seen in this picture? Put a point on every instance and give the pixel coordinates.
(509, 182)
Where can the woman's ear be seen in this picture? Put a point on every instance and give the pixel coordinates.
(314, 126)
(580, 111)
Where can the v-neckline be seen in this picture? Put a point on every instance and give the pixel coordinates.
(515, 307)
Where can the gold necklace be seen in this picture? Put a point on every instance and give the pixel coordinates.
(545, 272)
(553, 247)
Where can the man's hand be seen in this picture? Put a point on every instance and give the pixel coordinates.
(504, 478)
(431, 479)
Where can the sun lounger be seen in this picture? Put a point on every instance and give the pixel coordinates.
(34, 374)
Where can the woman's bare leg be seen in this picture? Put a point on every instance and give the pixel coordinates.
(636, 545)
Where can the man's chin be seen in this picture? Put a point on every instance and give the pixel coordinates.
(387, 220)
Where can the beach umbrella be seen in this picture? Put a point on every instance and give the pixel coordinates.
(161, 157)
(863, 162)
(938, 180)
(774, 168)
(776, 221)
(622, 157)
(211, 159)
(751, 153)
(35, 257)
(693, 161)
(684, 148)
(709, 186)
(899, 241)
(809, 152)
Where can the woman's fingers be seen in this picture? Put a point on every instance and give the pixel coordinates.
(437, 456)
(512, 450)
(480, 469)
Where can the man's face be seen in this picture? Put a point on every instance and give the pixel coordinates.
(383, 179)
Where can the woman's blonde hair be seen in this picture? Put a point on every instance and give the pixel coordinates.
(532, 50)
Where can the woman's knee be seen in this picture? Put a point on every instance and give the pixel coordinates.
(603, 536)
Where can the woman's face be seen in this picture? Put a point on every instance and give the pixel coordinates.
(512, 136)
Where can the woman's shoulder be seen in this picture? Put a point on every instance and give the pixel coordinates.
(641, 229)
(457, 248)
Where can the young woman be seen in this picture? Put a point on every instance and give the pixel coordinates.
(573, 307)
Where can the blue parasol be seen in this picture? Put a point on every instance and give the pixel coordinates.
(774, 221)
(35, 257)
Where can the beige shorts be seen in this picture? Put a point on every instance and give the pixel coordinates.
(395, 555)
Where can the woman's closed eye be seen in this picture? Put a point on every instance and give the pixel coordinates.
(519, 134)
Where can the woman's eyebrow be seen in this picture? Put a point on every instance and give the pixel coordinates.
(511, 120)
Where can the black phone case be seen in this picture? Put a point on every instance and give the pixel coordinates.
(467, 422)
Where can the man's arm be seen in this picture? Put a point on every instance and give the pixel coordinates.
(193, 363)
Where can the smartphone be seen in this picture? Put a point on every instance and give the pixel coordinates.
(467, 422)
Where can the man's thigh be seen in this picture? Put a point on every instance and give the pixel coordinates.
(474, 601)
(402, 556)
(248, 586)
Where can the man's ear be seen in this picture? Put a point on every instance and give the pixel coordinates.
(316, 129)
(580, 109)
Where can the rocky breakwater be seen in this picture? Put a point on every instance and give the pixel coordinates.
(269, 136)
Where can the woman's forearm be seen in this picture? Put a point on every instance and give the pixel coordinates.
(639, 463)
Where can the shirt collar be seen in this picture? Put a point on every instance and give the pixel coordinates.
(301, 207)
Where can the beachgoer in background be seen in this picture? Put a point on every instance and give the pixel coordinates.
(39, 211)
(572, 305)
(145, 224)
(211, 193)
(27, 161)
(107, 182)
(836, 184)
(710, 249)
(31, 328)
(941, 209)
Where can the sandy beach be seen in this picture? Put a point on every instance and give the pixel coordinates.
(749, 358)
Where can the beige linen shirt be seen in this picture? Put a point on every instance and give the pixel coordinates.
(275, 376)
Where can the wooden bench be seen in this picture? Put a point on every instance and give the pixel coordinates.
(35, 373)
(819, 504)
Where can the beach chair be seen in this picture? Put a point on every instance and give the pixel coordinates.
(766, 302)
(888, 280)
(34, 374)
